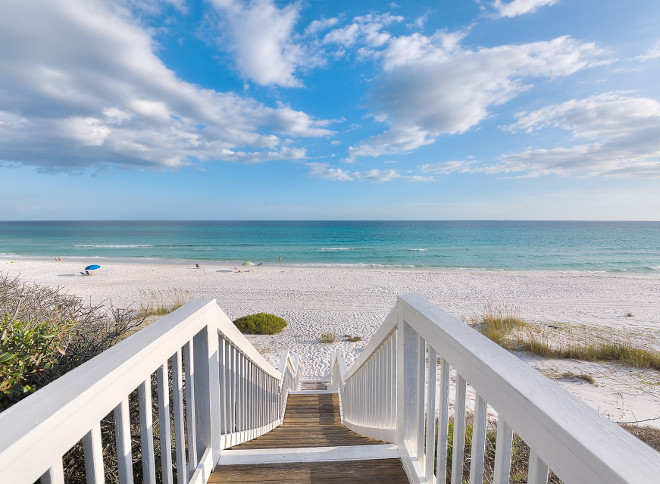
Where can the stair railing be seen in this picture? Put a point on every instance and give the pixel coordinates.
(213, 390)
(390, 393)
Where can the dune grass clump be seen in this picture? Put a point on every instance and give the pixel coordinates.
(329, 337)
(260, 323)
(505, 328)
(352, 339)
(160, 303)
(498, 323)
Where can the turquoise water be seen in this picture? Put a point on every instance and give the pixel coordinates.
(584, 246)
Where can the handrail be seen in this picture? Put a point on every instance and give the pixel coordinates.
(417, 340)
(225, 388)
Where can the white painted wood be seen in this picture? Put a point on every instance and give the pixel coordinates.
(164, 425)
(93, 449)
(123, 441)
(558, 426)
(231, 332)
(478, 441)
(54, 475)
(98, 387)
(189, 384)
(503, 453)
(419, 399)
(430, 416)
(538, 470)
(384, 434)
(409, 376)
(459, 432)
(203, 469)
(179, 433)
(146, 433)
(443, 421)
(52, 420)
(385, 329)
(308, 454)
(411, 464)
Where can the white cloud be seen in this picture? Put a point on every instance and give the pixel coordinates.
(82, 86)
(653, 53)
(447, 167)
(367, 28)
(259, 34)
(622, 134)
(519, 7)
(431, 86)
(320, 25)
(323, 170)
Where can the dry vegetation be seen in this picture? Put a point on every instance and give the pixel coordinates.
(508, 330)
(66, 332)
(329, 337)
(159, 303)
(519, 454)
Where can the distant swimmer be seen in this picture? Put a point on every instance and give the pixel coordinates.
(280, 258)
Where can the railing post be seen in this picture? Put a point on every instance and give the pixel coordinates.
(407, 364)
(207, 392)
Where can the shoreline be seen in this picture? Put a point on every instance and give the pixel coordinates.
(356, 300)
(83, 260)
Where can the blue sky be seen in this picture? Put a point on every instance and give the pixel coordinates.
(227, 109)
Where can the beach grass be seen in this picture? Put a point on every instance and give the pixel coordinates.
(160, 302)
(352, 339)
(507, 329)
(329, 337)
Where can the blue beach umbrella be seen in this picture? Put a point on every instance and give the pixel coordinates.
(93, 267)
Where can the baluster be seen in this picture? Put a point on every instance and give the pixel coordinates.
(190, 407)
(223, 386)
(383, 380)
(54, 475)
(421, 383)
(382, 389)
(244, 402)
(123, 440)
(179, 432)
(146, 432)
(538, 470)
(430, 418)
(502, 452)
(443, 420)
(459, 432)
(478, 440)
(93, 450)
(164, 424)
(233, 410)
(393, 382)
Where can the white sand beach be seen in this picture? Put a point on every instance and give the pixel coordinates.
(356, 300)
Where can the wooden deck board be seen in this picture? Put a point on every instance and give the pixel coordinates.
(312, 420)
(383, 471)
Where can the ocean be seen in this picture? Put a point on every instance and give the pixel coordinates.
(494, 245)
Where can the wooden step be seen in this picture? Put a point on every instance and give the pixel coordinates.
(287, 453)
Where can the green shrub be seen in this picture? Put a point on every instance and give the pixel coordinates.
(260, 323)
(29, 352)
